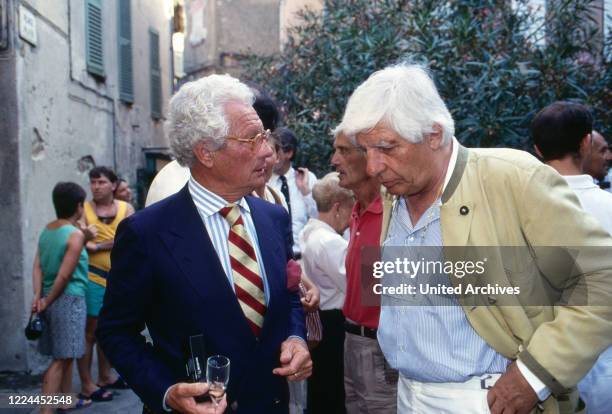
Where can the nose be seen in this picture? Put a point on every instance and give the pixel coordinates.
(265, 150)
(374, 164)
(334, 159)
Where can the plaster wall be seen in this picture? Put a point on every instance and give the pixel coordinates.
(57, 121)
(12, 343)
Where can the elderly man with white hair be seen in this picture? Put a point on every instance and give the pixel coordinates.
(207, 265)
(477, 353)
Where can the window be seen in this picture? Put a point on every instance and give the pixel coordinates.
(93, 37)
(3, 25)
(155, 74)
(126, 69)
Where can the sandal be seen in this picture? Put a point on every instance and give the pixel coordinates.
(119, 384)
(81, 403)
(98, 395)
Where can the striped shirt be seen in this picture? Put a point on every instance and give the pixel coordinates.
(427, 337)
(208, 205)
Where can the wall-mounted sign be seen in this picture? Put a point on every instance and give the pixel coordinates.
(27, 25)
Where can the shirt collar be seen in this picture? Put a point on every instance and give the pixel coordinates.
(209, 203)
(289, 175)
(583, 181)
(320, 224)
(375, 207)
(452, 162)
(431, 215)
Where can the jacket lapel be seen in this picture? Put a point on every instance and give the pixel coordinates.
(269, 253)
(189, 244)
(456, 213)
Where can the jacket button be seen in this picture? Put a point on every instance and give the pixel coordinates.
(464, 210)
(277, 401)
(234, 405)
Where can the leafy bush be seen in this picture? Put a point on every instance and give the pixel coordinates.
(496, 63)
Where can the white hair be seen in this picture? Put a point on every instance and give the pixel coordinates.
(327, 191)
(404, 97)
(197, 114)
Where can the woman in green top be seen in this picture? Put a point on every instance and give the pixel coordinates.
(60, 283)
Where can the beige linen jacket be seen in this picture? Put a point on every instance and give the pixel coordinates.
(504, 197)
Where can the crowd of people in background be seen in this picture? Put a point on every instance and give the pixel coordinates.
(226, 220)
(69, 280)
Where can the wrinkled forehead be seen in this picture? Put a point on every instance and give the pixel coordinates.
(342, 140)
(380, 134)
(242, 117)
(599, 140)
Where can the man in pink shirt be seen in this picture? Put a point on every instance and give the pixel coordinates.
(368, 386)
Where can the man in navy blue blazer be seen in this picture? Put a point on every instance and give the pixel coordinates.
(209, 260)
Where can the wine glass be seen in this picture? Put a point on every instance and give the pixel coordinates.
(217, 376)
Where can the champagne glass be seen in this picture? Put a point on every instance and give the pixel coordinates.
(217, 376)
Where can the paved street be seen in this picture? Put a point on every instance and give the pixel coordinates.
(124, 401)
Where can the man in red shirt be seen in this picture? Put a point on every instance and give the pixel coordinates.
(368, 386)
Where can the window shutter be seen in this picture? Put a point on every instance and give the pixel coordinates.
(126, 69)
(93, 37)
(155, 74)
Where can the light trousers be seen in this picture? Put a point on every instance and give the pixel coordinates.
(468, 397)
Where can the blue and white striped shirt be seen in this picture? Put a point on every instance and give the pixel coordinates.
(428, 337)
(208, 205)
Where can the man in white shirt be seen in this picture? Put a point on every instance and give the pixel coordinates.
(563, 139)
(294, 183)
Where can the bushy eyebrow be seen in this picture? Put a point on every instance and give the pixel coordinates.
(383, 144)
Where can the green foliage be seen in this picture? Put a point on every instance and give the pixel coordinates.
(496, 63)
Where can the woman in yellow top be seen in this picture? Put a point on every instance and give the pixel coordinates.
(105, 213)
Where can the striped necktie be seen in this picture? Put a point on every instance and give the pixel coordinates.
(248, 283)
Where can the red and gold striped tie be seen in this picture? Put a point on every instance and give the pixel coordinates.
(248, 283)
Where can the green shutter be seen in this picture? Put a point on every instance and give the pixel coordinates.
(93, 37)
(155, 74)
(126, 69)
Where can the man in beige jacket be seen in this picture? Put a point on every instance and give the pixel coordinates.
(500, 352)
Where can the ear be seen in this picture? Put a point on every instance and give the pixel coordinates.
(336, 208)
(586, 145)
(435, 138)
(537, 151)
(290, 154)
(204, 155)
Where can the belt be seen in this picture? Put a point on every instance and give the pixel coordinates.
(359, 330)
(483, 382)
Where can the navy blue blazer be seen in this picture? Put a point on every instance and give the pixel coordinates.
(165, 274)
